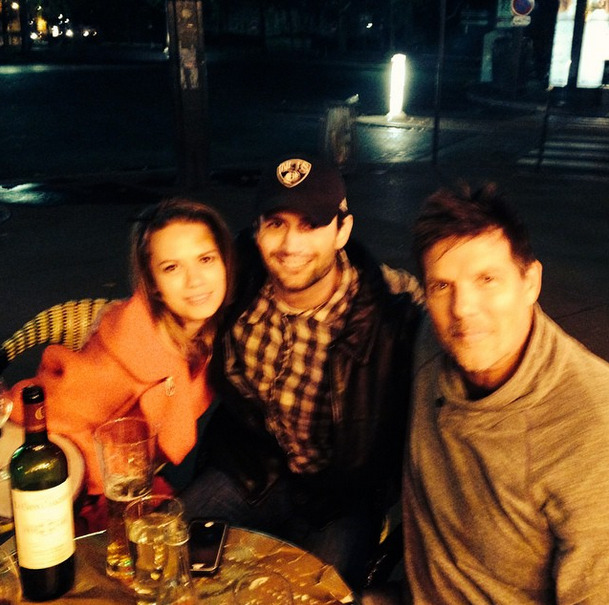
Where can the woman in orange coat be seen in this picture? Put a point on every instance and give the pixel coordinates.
(148, 355)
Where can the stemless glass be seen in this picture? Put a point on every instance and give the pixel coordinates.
(6, 407)
(148, 521)
(10, 585)
(6, 403)
(126, 449)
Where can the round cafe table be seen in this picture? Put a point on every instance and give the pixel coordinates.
(313, 582)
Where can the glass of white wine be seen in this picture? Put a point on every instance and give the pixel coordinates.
(10, 585)
(6, 403)
(6, 407)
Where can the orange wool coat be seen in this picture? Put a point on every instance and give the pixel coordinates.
(124, 369)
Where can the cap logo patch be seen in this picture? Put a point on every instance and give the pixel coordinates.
(293, 172)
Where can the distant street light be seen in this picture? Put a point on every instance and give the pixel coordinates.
(396, 90)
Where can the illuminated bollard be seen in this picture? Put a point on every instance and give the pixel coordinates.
(396, 91)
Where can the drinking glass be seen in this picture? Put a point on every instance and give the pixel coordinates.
(148, 521)
(6, 403)
(10, 585)
(261, 588)
(177, 584)
(6, 406)
(126, 450)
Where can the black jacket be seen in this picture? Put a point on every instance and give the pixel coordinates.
(370, 370)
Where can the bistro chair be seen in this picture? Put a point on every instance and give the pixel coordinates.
(66, 323)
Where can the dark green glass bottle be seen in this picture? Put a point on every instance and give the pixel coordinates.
(42, 507)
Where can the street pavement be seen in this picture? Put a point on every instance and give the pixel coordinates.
(66, 238)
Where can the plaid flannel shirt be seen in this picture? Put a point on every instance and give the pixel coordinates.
(280, 357)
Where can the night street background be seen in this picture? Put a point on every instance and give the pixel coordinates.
(87, 143)
(116, 113)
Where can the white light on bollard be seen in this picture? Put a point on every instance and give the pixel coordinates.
(396, 91)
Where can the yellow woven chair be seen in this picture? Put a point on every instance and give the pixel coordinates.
(66, 323)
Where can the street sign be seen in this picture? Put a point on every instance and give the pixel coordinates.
(522, 7)
(521, 20)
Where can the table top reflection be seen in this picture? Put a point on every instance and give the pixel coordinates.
(313, 582)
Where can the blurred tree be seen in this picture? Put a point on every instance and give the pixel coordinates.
(51, 9)
(5, 7)
(400, 24)
(26, 12)
(122, 20)
(427, 17)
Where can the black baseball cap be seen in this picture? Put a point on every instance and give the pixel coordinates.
(309, 185)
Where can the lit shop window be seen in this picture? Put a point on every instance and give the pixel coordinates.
(595, 44)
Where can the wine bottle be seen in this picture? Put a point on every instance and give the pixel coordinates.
(42, 507)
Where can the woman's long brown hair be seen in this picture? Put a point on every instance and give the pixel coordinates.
(196, 350)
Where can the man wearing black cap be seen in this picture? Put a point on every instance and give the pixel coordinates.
(307, 440)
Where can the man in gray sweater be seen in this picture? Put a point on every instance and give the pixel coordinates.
(506, 479)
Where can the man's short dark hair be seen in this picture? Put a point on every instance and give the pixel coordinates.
(341, 215)
(463, 212)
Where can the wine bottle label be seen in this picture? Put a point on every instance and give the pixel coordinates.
(34, 417)
(44, 526)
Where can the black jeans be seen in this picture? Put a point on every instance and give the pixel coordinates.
(347, 542)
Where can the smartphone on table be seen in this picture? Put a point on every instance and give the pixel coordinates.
(205, 545)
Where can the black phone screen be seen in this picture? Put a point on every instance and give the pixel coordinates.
(205, 545)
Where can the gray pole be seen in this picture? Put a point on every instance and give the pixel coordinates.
(187, 54)
(439, 76)
(576, 46)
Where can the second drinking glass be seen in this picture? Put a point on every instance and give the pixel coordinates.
(150, 523)
(126, 448)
